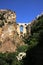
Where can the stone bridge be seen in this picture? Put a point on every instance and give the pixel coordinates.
(21, 28)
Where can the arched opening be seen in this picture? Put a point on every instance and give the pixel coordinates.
(21, 28)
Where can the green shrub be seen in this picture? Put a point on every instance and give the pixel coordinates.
(22, 48)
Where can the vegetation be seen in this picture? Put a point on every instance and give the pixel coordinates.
(36, 29)
(9, 59)
(35, 53)
(22, 48)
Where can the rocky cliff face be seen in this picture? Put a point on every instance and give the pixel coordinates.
(9, 38)
(7, 16)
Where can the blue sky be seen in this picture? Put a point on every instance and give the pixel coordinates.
(26, 10)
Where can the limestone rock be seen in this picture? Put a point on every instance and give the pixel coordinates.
(7, 16)
(9, 38)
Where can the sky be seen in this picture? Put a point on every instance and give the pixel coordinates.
(26, 10)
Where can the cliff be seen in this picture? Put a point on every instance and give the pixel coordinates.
(9, 38)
